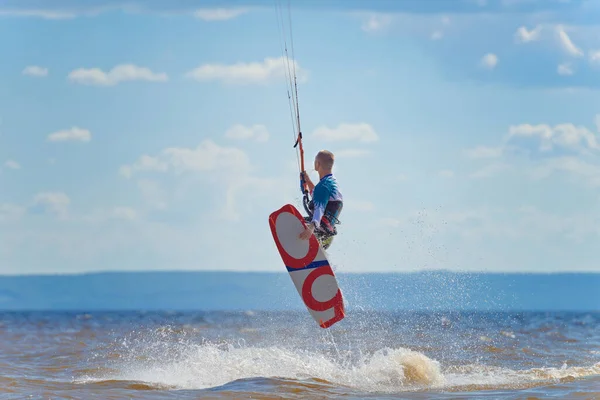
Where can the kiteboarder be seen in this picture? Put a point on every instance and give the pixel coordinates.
(326, 203)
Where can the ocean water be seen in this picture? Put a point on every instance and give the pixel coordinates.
(285, 355)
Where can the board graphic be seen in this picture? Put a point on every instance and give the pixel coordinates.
(308, 267)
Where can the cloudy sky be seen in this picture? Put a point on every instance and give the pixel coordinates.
(147, 135)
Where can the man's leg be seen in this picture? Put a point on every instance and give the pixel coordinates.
(326, 242)
(323, 238)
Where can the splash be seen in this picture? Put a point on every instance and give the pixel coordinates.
(185, 365)
(474, 377)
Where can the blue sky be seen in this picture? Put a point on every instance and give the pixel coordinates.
(144, 136)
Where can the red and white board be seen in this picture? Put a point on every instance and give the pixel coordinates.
(308, 267)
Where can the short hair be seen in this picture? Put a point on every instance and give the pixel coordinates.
(326, 158)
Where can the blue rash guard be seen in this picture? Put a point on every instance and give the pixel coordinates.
(324, 192)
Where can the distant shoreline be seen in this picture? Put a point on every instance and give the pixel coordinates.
(235, 290)
(283, 271)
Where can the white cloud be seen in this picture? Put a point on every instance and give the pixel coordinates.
(564, 135)
(561, 38)
(522, 35)
(74, 134)
(228, 169)
(219, 14)
(41, 13)
(575, 227)
(241, 192)
(144, 163)
(120, 73)
(270, 69)
(152, 193)
(588, 171)
(351, 153)
(446, 173)
(361, 132)
(564, 69)
(55, 202)
(512, 3)
(34, 70)
(464, 222)
(376, 22)
(566, 43)
(10, 212)
(116, 213)
(127, 213)
(359, 205)
(12, 164)
(437, 35)
(595, 57)
(65, 11)
(489, 61)
(490, 170)
(484, 152)
(208, 156)
(256, 132)
(526, 222)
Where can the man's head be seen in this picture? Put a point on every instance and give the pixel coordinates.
(324, 162)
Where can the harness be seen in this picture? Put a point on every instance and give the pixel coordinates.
(330, 216)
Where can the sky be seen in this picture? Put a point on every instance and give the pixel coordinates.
(158, 136)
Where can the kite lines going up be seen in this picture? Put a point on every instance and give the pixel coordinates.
(292, 91)
(307, 268)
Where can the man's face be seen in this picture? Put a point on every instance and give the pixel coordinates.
(316, 164)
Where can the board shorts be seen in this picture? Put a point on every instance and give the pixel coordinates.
(327, 230)
(324, 238)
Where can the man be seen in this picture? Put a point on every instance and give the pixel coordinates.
(326, 203)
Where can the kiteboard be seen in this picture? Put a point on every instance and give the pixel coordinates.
(308, 267)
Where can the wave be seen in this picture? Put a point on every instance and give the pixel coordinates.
(184, 365)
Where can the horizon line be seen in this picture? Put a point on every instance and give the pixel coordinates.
(283, 271)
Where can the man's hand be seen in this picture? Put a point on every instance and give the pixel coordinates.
(307, 232)
(306, 178)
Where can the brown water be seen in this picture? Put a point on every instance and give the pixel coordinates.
(116, 355)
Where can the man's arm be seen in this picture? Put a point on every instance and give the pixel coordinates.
(320, 199)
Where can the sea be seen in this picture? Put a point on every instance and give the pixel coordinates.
(253, 354)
